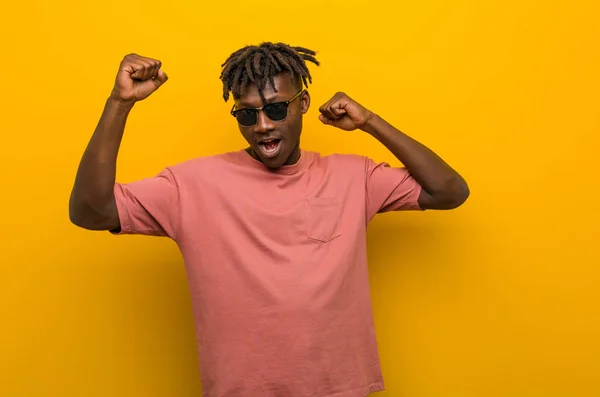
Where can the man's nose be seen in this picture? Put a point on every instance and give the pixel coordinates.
(263, 123)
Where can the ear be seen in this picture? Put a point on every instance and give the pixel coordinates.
(305, 102)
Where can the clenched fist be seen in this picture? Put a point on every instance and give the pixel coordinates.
(138, 77)
(345, 113)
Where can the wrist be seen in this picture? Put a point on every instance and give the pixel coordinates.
(120, 103)
(370, 126)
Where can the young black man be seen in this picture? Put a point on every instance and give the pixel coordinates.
(273, 237)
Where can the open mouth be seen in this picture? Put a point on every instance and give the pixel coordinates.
(270, 147)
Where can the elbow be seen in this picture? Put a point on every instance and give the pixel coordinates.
(79, 220)
(78, 215)
(83, 215)
(75, 220)
(75, 212)
(87, 221)
(452, 196)
(458, 194)
(460, 200)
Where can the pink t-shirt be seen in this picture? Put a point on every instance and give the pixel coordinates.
(277, 266)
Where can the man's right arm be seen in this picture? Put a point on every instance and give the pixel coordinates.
(92, 204)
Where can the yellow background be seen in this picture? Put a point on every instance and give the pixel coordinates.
(498, 298)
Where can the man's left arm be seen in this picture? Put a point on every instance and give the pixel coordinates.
(442, 187)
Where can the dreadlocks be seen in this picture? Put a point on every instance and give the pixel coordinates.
(260, 64)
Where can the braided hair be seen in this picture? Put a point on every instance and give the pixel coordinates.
(260, 64)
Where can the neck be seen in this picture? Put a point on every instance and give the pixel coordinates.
(295, 156)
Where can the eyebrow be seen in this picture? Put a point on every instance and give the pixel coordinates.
(274, 98)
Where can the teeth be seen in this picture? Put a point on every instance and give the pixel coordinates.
(273, 147)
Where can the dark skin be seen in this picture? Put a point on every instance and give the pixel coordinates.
(287, 130)
(92, 204)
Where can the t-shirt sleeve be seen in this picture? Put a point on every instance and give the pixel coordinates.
(149, 206)
(390, 189)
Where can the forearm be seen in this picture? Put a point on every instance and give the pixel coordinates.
(92, 197)
(435, 176)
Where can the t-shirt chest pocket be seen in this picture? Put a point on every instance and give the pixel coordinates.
(322, 218)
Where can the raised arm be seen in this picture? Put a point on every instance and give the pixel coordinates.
(92, 203)
(442, 186)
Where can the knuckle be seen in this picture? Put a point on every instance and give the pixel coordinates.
(128, 59)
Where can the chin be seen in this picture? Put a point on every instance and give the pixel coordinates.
(274, 158)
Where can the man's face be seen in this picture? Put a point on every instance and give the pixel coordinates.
(275, 143)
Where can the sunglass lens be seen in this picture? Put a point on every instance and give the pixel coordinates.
(246, 117)
(276, 111)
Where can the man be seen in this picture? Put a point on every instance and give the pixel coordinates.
(273, 237)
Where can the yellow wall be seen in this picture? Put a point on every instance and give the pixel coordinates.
(497, 298)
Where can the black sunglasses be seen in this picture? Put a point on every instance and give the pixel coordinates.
(276, 111)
